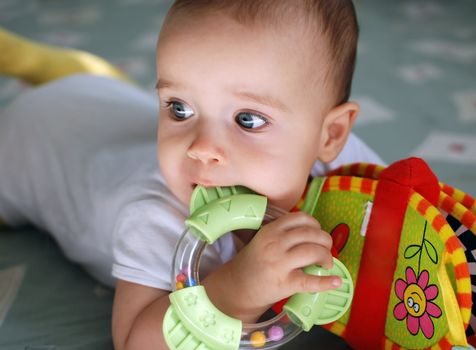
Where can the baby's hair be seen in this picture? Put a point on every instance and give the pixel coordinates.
(335, 21)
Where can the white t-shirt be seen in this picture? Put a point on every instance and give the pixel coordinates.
(78, 159)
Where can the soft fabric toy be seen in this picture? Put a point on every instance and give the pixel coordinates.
(404, 242)
(38, 63)
(408, 242)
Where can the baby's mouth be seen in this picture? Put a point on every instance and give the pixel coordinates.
(204, 183)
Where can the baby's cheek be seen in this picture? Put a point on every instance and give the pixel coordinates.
(283, 194)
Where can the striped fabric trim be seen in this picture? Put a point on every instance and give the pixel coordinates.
(455, 250)
(459, 196)
(350, 183)
(458, 210)
(366, 170)
(456, 214)
(461, 207)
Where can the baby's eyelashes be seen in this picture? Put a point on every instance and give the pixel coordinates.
(179, 110)
(250, 120)
(247, 120)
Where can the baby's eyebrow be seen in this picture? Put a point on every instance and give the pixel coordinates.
(162, 83)
(262, 99)
(266, 100)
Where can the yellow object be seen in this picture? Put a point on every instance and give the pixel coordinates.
(258, 339)
(456, 332)
(38, 63)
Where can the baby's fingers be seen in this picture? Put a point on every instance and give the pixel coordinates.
(306, 254)
(307, 234)
(313, 284)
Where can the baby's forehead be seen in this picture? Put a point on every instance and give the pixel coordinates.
(330, 26)
(308, 61)
(282, 23)
(292, 36)
(281, 15)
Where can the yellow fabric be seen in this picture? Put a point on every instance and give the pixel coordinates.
(37, 63)
(456, 333)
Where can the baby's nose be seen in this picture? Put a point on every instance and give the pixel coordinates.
(207, 151)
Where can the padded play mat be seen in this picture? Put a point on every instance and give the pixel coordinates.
(415, 80)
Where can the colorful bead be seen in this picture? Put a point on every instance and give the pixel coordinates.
(179, 285)
(258, 339)
(275, 333)
(190, 282)
(181, 278)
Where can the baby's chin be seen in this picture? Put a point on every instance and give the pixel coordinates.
(285, 204)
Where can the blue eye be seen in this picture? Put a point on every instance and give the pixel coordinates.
(179, 110)
(249, 120)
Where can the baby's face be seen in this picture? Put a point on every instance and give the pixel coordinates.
(239, 106)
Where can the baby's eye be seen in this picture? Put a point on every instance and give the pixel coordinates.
(180, 111)
(248, 120)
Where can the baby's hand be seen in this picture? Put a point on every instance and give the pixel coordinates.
(269, 268)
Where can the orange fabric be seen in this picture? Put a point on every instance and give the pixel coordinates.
(438, 223)
(452, 244)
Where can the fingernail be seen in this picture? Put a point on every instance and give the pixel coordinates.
(336, 282)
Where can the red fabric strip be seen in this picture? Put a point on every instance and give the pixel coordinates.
(366, 186)
(366, 326)
(345, 183)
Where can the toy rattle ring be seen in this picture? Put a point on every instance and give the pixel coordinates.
(193, 322)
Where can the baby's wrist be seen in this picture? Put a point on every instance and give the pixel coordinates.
(230, 297)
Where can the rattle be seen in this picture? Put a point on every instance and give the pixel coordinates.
(193, 322)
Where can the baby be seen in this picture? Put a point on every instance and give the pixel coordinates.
(252, 93)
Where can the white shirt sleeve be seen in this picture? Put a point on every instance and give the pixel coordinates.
(354, 151)
(145, 238)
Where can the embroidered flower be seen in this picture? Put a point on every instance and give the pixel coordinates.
(415, 305)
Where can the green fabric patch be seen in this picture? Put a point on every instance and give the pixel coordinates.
(420, 250)
(339, 207)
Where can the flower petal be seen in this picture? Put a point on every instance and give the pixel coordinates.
(426, 325)
(431, 292)
(433, 310)
(423, 279)
(400, 311)
(400, 286)
(410, 275)
(412, 324)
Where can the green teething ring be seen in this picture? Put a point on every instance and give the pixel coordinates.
(193, 322)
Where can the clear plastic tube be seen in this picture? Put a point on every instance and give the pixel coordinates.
(269, 334)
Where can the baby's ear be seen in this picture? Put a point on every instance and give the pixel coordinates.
(336, 127)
